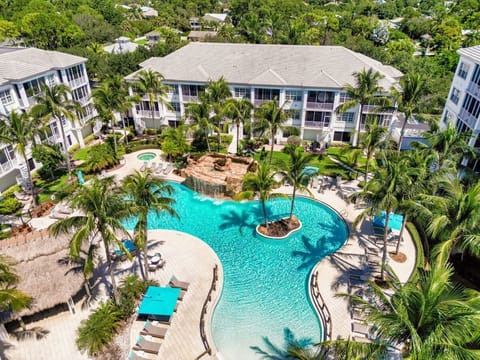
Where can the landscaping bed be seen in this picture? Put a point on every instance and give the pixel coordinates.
(280, 228)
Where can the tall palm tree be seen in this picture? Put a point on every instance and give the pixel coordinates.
(146, 193)
(199, 114)
(11, 298)
(19, 131)
(295, 172)
(239, 111)
(216, 94)
(149, 82)
(54, 102)
(453, 217)
(431, 317)
(374, 138)
(102, 208)
(412, 89)
(261, 183)
(273, 115)
(174, 142)
(364, 92)
(383, 192)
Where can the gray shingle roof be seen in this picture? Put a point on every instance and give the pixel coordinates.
(268, 65)
(22, 63)
(471, 52)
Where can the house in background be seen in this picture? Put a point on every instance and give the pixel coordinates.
(307, 80)
(148, 12)
(22, 73)
(195, 23)
(122, 45)
(462, 107)
(201, 35)
(153, 37)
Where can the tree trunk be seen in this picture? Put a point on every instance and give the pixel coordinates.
(292, 205)
(357, 127)
(124, 130)
(402, 132)
(366, 167)
(145, 253)
(264, 208)
(152, 109)
(110, 272)
(65, 148)
(208, 143)
(32, 190)
(271, 148)
(404, 223)
(238, 134)
(385, 249)
(114, 138)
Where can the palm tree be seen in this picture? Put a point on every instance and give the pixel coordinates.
(216, 93)
(273, 115)
(199, 114)
(363, 93)
(102, 208)
(413, 85)
(375, 137)
(174, 142)
(238, 110)
(53, 102)
(19, 131)
(430, 317)
(262, 184)
(383, 192)
(149, 82)
(11, 298)
(295, 172)
(145, 194)
(449, 144)
(453, 217)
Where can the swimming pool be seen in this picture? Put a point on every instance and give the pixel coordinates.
(146, 156)
(265, 281)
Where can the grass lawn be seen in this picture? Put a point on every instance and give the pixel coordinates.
(81, 154)
(60, 187)
(142, 42)
(327, 166)
(344, 154)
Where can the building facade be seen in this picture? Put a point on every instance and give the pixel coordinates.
(308, 80)
(22, 72)
(462, 107)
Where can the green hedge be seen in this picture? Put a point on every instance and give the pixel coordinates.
(134, 148)
(419, 253)
(9, 205)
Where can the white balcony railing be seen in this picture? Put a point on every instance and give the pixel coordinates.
(189, 98)
(319, 106)
(148, 113)
(375, 109)
(468, 118)
(77, 82)
(316, 124)
(474, 89)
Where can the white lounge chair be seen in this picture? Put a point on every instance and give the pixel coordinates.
(168, 169)
(144, 166)
(159, 168)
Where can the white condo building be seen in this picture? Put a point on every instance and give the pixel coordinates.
(22, 71)
(309, 80)
(463, 104)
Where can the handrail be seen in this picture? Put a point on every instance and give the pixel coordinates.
(321, 307)
(203, 335)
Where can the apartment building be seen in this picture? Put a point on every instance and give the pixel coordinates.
(22, 72)
(308, 80)
(462, 107)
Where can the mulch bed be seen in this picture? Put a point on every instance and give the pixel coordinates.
(399, 258)
(279, 228)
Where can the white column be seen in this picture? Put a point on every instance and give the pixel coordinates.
(303, 112)
(80, 138)
(180, 101)
(252, 99)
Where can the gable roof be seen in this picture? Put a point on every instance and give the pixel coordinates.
(472, 52)
(22, 63)
(268, 65)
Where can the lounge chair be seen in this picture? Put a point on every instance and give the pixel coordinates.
(159, 168)
(64, 209)
(360, 328)
(21, 196)
(159, 265)
(55, 214)
(168, 169)
(174, 282)
(154, 331)
(361, 339)
(134, 356)
(147, 346)
(182, 294)
(144, 166)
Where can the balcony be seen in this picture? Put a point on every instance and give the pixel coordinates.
(259, 102)
(375, 109)
(474, 89)
(468, 118)
(148, 114)
(77, 82)
(316, 124)
(190, 98)
(6, 167)
(319, 106)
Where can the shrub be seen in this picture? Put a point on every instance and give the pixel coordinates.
(9, 206)
(99, 157)
(294, 140)
(291, 131)
(73, 148)
(89, 138)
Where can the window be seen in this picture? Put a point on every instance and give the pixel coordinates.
(3, 156)
(455, 95)
(343, 136)
(266, 94)
(344, 97)
(33, 87)
(75, 72)
(31, 164)
(471, 105)
(463, 70)
(295, 115)
(69, 140)
(476, 75)
(293, 95)
(462, 127)
(322, 118)
(241, 93)
(6, 97)
(50, 80)
(191, 90)
(320, 97)
(172, 89)
(80, 94)
(175, 106)
(477, 142)
(10, 151)
(346, 117)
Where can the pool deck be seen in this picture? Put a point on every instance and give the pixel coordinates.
(192, 260)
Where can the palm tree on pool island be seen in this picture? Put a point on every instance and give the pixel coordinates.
(146, 193)
(102, 207)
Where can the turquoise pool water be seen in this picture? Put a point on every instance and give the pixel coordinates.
(266, 281)
(146, 156)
